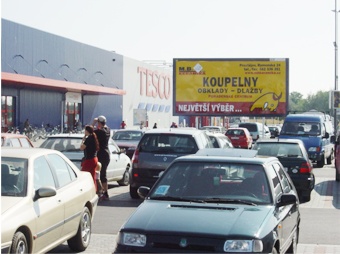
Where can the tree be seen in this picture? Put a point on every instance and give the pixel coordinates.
(318, 101)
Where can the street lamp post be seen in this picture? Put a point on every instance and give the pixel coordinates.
(336, 63)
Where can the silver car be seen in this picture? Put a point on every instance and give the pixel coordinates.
(45, 201)
(69, 144)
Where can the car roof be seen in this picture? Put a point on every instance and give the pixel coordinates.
(67, 135)
(25, 153)
(136, 130)
(233, 155)
(216, 134)
(13, 135)
(280, 140)
(237, 128)
(188, 131)
(305, 117)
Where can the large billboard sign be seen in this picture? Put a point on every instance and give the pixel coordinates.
(231, 87)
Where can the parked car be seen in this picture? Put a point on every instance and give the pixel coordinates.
(218, 200)
(128, 140)
(219, 129)
(69, 144)
(274, 130)
(293, 156)
(45, 201)
(158, 148)
(240, 137)
(15, 140)
(219, 140)
(257, 130)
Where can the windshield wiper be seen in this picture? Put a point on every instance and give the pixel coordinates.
(227, 201)
(171, 198)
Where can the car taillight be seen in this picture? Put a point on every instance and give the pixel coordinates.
(305, 167)
(135, 157)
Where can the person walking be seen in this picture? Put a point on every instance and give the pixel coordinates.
(155, 126)
(90, 146)
(123, 125)
(103, 134)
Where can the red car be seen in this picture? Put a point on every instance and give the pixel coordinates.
(240, 137)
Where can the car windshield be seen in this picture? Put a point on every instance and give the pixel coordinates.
(301, 128)
(213, 182)
(13, 177)
(63, 144)
(127, 135)
(279, 149)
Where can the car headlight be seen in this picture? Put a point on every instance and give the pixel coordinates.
(243, 246)
(132, 239)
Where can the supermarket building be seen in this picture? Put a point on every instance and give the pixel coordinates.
(53, 80)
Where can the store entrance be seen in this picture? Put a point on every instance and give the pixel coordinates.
(7, 112)
(72, 121)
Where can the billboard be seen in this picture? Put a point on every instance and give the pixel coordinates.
(230, 87)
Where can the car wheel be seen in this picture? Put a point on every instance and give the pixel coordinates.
(133, 192)
(82, 239)
(274, 251)
(126, 178)
(337, 176)
(321, 162)
(293, 246)
(19, 243)
(330, 158)
(306, 196)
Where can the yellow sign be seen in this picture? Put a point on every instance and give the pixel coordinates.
(231, 87)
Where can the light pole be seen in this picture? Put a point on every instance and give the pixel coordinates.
(336, 63)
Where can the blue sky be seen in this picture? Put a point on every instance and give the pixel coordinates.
(301, 30)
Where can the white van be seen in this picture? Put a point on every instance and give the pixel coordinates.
(257, 130)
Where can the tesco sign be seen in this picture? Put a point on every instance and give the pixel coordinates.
(154, 84)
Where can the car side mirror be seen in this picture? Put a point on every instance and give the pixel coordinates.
(287, 199)
(143, 191)
(44, 192)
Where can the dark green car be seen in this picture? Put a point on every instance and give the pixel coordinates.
(217, 200)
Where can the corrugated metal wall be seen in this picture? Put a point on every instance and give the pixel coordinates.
(32, 52)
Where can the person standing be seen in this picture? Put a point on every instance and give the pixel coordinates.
(90, 146)
(27, 124)
(155, 126)
(123, 125)
(103, 134)
(173, 125)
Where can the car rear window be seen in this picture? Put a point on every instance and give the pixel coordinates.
(62, 144)
(168, 143)
(279, 149)
(250, 127)
(235, 132)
